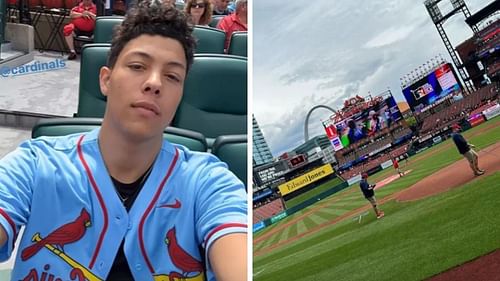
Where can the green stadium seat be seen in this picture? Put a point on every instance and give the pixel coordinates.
(179, 6)
(215, 97)
(209, 40)
(64, 126)
(238, 44)
(91, 102)
(103, 32)
(232, 149)
(215, 20)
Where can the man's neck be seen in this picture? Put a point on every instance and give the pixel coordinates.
(126, 159)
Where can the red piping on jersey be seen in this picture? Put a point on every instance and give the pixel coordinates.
(150, 207)
(101, 202)
(12, 224)
(221, 227)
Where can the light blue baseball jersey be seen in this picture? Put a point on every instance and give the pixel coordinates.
(60, 190)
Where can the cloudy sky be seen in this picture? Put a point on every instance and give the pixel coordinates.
(307, 53)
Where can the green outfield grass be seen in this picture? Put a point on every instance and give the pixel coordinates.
(414, 241)
(313, 192)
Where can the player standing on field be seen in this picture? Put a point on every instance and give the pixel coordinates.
(369, 193)
(466, 150)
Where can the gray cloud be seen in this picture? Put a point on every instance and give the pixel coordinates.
(326, 51)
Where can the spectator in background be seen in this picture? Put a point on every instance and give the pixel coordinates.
(220, 7)
(82, 24)
(200, 11)
(235, 22)
(369, 194)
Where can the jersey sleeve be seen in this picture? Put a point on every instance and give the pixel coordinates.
(17, 177)
(221, 204)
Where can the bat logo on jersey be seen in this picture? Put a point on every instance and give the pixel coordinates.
(66, 234)
(182, 260)
(55, 242)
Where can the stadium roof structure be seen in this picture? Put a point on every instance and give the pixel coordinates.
(484, 13)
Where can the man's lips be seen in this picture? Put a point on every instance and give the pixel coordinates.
(147, 105)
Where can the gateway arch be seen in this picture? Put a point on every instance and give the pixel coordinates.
(306, 130)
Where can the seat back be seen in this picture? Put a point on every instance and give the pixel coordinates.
(232, 149)
(209, 40)
(65, 126)
(214, 102)
(104, 26)
(215, 20)
(238, 44)
(91, 102)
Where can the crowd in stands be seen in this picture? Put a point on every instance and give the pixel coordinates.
(458, 110)
(267, 209)
(231, 16)
(373, 162)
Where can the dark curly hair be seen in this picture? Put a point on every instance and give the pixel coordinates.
(153, 17)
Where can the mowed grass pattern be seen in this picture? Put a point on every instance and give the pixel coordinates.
(414, 241)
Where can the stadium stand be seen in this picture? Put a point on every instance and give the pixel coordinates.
(104, 27)
(65, 126)
(232, 149)
(209, 40)
(238, 44)
(267, 210)
(215, 97)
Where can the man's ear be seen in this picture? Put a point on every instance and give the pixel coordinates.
(104, 79)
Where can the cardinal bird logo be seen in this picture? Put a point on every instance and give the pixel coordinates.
(180, 258)
(66, 234)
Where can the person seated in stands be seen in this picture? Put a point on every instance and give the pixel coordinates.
(234, 22)
(82, 24)
(220, 7)
(200, 11)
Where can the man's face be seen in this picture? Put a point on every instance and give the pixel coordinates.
(145, 86)
(221, 4)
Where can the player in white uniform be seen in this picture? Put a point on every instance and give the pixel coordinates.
(184, 215)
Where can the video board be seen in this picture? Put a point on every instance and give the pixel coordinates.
(435, 86)
(362, 125)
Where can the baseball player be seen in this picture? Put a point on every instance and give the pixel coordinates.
(119, 202)
(369, 194)
(466, 150)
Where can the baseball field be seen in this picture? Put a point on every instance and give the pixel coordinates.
(439, 216)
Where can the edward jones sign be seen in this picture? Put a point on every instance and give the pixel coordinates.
(306, 179)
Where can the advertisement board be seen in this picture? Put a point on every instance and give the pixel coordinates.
(306, 179)
(434, 87)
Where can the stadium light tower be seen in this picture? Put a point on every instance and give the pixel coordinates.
(438, 18)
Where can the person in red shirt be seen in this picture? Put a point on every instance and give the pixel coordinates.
(395, 164)
(82, 24)
(235, 22)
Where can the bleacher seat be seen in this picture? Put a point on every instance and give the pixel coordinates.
(91, 102)
(209, 40)
(238, 44)
(215, 20)
(104, 26)
(64, 126)
(215, 97)
(232, 149)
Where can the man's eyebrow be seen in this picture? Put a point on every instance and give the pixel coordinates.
(147, 56)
